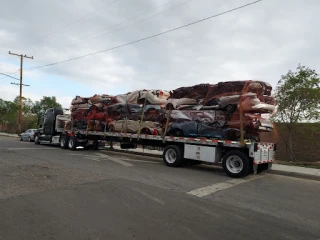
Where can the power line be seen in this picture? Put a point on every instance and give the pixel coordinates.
(26, 85)
(145, 38)
(128, 20)
(82, 18)
(96, 34)
(10, 76)
(132, 18)
(74, 22)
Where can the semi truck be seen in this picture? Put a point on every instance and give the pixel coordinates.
(238, 159)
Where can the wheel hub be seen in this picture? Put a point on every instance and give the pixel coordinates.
(171, 156)
(70, 143)
(234, 164)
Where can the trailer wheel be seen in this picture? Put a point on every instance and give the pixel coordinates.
(172, 156)
(36, 140)
(236, 164)
(72, 143)
(64, 142)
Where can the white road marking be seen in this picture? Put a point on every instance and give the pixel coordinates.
(157, 200)
(29, 148)
(106, 157)
(89, 157)
(80, 155)
(117, 160)
(201, 192)
(137, 160)
(102, 156)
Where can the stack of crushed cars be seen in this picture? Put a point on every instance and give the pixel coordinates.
(204, 110)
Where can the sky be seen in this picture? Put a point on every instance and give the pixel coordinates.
(260, 42)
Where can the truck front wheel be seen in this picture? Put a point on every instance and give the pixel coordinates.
(236, 164)
(72, 143)
(173, 156)
(64, 142)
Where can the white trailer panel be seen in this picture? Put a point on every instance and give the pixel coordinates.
(202, 153)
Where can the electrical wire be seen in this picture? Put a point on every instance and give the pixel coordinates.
(82, 18)
(135, 17)
(74, 22)
(9, 76)
(145, 38)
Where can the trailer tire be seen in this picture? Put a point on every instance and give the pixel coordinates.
(236, 164)
(72, 143)
(172, 156)
(64, 142)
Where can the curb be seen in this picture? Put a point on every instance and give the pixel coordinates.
(295, 175)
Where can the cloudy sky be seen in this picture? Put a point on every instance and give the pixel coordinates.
(262, 41)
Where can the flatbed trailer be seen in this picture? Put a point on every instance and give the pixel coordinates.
(237, 159)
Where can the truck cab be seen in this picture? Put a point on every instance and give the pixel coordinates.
(52, 127)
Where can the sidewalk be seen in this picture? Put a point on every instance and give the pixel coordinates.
(9, 135)
(302, 172)
(311, 173)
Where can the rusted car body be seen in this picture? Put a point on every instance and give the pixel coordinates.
(133, 126)
(203, 110)
(154, 97)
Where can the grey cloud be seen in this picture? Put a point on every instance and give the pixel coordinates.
(262, 41)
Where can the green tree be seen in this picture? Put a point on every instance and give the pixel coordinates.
(40, 107)
(27, 105)
(29, 119)
(298, 100)
(8, 115)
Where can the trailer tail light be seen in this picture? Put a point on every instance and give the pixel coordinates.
(161, 93)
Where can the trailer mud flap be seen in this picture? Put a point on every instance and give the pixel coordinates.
(258, 168)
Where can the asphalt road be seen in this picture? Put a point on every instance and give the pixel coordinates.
(50, 193)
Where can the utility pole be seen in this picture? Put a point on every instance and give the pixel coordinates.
(20, 106)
